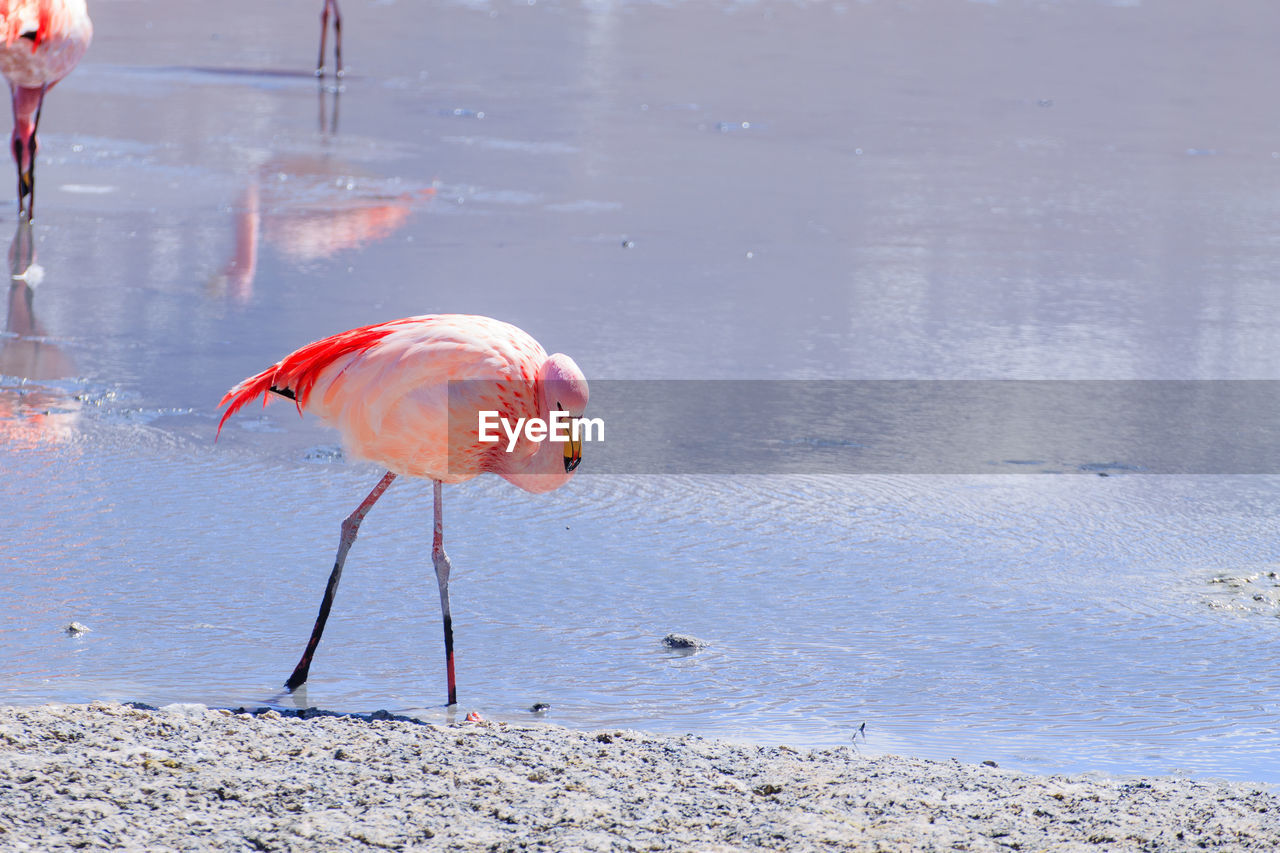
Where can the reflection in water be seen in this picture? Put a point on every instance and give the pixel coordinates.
(26, 352)
(309, 207)
(31, 414)
(328, 124)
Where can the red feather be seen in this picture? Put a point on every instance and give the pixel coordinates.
(298, 371)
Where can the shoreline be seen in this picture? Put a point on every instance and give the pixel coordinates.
(131, 777)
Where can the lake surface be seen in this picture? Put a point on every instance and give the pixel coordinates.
(718, 191)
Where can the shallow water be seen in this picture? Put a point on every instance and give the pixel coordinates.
(760, 190)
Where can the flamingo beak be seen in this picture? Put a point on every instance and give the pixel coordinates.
(572, 453)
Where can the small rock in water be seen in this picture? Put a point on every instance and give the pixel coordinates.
(323, 454)
(683, 641)
(75, 629)
(539, 707)
(990, 763)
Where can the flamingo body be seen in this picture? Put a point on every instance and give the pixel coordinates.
(386, 388)
(43, 41)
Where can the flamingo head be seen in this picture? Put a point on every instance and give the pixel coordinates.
(564, 388)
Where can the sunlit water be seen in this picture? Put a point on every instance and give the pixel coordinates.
(758, 190)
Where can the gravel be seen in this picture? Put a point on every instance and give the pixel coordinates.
(186, 777)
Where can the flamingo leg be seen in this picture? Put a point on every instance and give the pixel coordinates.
(443, 567)
(31, 175)
(350, 527)
(337, 37)
(324, 35)
(24, 144)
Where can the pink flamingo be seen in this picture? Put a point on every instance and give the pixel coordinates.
(43, 41)
(387, 390)
(337, 37)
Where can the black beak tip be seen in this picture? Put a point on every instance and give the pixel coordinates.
(570, 464)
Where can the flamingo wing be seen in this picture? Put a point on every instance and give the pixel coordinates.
(42, 20)
(295, 375)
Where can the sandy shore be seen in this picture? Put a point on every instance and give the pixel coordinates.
(186, 777)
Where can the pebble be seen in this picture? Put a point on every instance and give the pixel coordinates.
(683, 641)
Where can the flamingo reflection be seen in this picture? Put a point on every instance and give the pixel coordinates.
(31, 414)
(309, 208)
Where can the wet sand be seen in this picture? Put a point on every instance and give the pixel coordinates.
(189, 777)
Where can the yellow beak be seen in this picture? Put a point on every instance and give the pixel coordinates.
(572, 452)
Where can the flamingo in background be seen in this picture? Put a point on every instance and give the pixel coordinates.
(387, 389)
(337, 37)
(43, 41)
